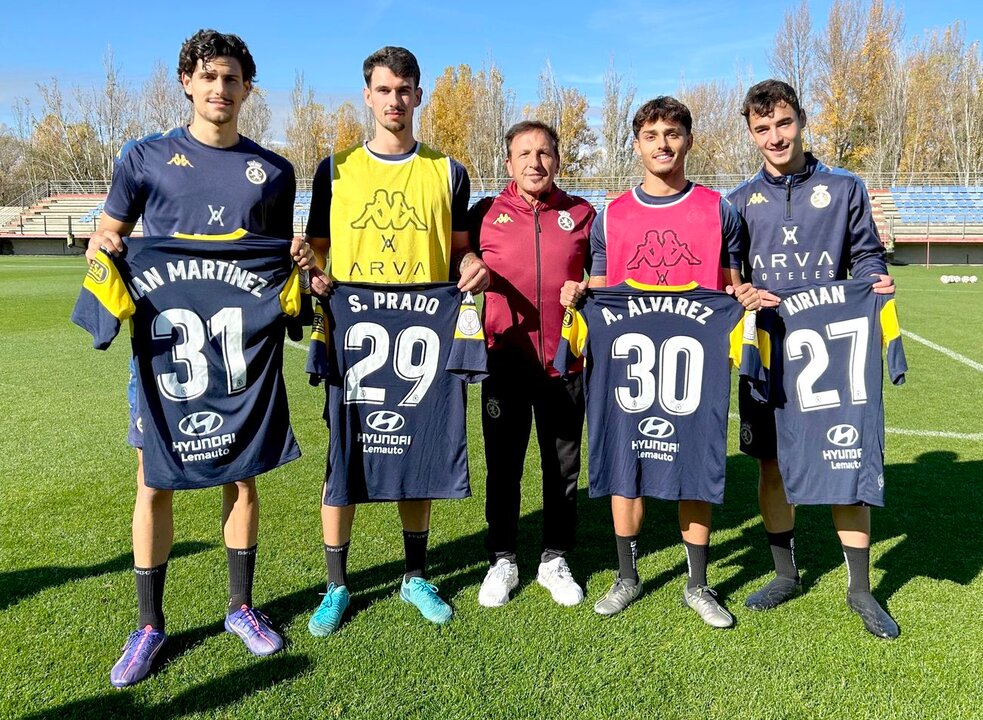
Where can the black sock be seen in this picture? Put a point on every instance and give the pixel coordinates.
(150, 596)
(696, 561)
(783, 552)
(415, 546)
(336, 562)
(550, 555)
(857, 568)
(242, 568)
(627, 557)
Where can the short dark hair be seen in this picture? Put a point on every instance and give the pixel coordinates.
(529, 126)
(665, 108)
(206, 45)
(761, 99)
(399, 60)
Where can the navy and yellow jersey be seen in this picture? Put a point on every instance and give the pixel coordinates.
(207, 324)
(389, 217)
(657, 386)
(396, 360)
(811, 227)
(182, 186)
(822, 351)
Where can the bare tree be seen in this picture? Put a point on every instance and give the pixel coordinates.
(565, 108)
(308, 136)
(255, 117)
(164, 105)
(493, 114)
(792, 57)
(617, 159)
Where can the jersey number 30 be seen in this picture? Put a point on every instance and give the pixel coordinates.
(680, 375)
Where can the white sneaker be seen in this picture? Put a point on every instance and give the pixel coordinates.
(501, 579)
(556, 577)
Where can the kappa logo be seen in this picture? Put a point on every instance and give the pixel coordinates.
(656, 427)
(203, 422)
(385, 212)
(662, 250)
(843, 435)
(385, 421)
(502, 219)
(756, 199)
(180, 160)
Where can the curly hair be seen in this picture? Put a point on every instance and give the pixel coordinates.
(206, 45)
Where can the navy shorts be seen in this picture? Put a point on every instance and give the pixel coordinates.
(758, 437)
(134, 435)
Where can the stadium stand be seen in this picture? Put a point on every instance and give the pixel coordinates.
(935, 224)
(931, 224)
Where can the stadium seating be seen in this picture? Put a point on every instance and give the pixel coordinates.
(940, 204)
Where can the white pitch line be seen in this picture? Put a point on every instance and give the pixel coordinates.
(295, 344)
(935, 433)
(911, 433)
(945, 351)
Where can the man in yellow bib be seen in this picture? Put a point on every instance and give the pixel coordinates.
(389, 211)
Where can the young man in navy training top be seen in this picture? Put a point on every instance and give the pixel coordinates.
(806, 223)
(202, 179)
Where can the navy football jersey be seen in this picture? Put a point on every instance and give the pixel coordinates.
(396, 359)
(182, 186)
(657, 386)
(825, 383)
(207, 324)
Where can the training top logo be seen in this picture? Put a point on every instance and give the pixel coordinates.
(502, 219)
(820, 197)
(656, 427)
(756, 199)
(385, 421)
(565, 221)
(200, 423)
(843, 435)
(662, 250)
(255, 172)
(387, 212)
(180, 160)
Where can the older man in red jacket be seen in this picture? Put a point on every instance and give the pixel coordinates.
(533, 237)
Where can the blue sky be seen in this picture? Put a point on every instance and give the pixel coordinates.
(655, 45)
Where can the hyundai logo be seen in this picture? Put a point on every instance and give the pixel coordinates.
(843, 435)
(656, 427)
(385, 421)
(200, 423)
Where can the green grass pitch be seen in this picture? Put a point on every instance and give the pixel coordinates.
(67, 600)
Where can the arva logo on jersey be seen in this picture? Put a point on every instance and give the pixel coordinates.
(385, 421)
(656, 427)
(201, 423)
(843, 435)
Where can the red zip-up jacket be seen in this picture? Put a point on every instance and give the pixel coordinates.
(531, 250)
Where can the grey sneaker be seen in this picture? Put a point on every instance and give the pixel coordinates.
(703, 599)
(620, 596)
